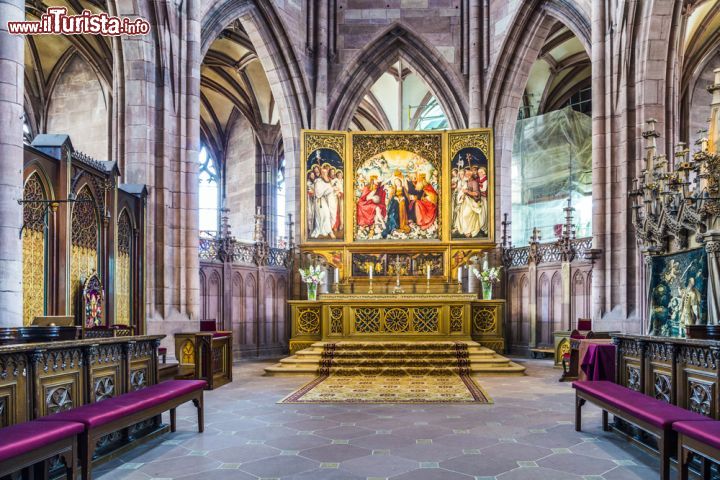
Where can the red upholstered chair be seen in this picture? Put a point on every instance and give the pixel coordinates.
(584, 324)
(211, 326)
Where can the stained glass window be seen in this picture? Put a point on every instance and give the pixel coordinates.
(208, 193)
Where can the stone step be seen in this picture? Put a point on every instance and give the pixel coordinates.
(353, 355)
(509, 368)
(315, 360)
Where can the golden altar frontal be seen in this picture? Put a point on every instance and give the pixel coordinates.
(405, 317)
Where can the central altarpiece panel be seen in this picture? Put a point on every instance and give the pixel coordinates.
(396, 216)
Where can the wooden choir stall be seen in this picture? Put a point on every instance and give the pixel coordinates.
(83, 242)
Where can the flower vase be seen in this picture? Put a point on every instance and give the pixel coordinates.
(312, 291)
(487, 290)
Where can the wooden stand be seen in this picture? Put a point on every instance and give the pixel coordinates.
(703, 332)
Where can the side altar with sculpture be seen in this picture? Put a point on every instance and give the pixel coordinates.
(395, 232)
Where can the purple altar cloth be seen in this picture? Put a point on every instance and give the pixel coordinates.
(599, 362)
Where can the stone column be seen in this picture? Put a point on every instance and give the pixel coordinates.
(712, 247)
(11, 165)
(321, 82)
(475, 77)
(266, 168)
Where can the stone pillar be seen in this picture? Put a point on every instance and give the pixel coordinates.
(265, 169)
(475, 77)
(320, 117)
(11, 165)
(712, 247)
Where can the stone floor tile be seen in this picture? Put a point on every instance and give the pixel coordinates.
(297, 442)
(432, 474)
(279, 466)
(535, 473)
(176, 467)
(479, 465)
(335, 453)
(577, 464)
(378, 466)
(344, 433)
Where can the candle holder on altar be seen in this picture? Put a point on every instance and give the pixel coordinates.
(398, 266)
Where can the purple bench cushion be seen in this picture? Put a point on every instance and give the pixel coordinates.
(25, 437)
(97, 414)
(643, 407)
(707, 432)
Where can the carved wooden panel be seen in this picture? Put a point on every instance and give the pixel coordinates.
(60, 379)
(683, 372)
(238, 312)
(105, 364)
(632, 377)
(556, 302)
(701, 396)
(138, 379)
(13, 389)
(144, 359)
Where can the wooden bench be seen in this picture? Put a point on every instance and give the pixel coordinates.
(699, 438)
(541, 352)
(30, 444)
(654, 416)
(103, 418)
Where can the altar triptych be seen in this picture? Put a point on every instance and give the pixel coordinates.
(381, 199)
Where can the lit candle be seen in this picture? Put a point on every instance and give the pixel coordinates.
(460, 274)
(427, 270)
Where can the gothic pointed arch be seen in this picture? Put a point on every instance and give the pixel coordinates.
(397, 42)
(510, 70)
(508, 73)
(267, 34)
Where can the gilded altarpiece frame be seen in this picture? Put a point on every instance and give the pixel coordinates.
(429, 153)
(377, 169)
(323, 156)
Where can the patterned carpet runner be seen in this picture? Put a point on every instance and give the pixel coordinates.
(392, 373)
